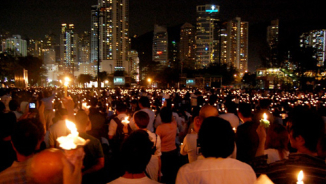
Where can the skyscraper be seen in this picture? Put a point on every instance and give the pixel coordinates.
(237, 44)
(68, 48)
(160, 45)
(316, 40)
(114, 32)
(272, 40)
(16, 46)
(187, 46)
(206, 35)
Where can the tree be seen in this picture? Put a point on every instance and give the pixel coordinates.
(249, 79)
(34, 65)
(84, 78)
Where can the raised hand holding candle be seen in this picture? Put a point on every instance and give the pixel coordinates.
(264, 121)
(72, 140)
(125, 121)
(300, 177)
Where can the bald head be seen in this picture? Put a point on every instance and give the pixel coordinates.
(208, 111)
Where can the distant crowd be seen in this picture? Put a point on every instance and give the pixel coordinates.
(152, 136)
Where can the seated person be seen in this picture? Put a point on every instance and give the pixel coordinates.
(136, 152)
(306, 129)
(216, 139)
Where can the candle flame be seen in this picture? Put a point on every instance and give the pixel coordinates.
(125, 120)
(72, 140)
(300, 176)
(265, 116)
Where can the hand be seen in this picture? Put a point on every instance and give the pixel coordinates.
(125, 128)
(73, 174)
(261, 133)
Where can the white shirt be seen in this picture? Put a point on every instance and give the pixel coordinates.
(153, 165)
(151, 115)
(273, 155)
(113, 125)
(216, 170)
(231, 118)
(189, 147)
(144, 180)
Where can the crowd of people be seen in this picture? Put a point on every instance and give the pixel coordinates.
(163, 136)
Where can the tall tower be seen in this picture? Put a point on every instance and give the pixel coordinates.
(316, 40)
(206, 35)
(94, 34)
(187, 45)
(237, 44)
(272, 40)
(16, 46)
(68, 48)
(160, 45)
(114, 32)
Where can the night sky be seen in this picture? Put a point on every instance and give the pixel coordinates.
(35, 18)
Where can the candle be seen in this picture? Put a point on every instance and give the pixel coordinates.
(264, 121)
(300, 177)
(72, 140)
(125, 121)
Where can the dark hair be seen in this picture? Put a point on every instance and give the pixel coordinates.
(309, 125)
(166, 115)
(136, 152)
(81, 119)
(216, 138)
(2, 106)
(144, 101)
(13, 105)
(231, 107)
(277, 138)
(141, 119)
(25, 137)
(8, 121)
(245, 109)
(121, 107)
(264, 103)
(93, 102)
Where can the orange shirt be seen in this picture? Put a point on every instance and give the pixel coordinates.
(167, 133)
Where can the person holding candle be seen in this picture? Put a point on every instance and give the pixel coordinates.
(306, 129)
(94, 157)
(144, 105)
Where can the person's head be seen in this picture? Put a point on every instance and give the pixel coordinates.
(166, 115)
(208, 111)
(277, 137)
(264, 103)
(143, 102)
(61, 114)
(93, 102)
(2, 107)
(231, 107)
(305, 130)
(8, 123)
(216, 138)
(26, 137)
(136, 152)
(82, 120)
(121, 108)
(244, 111)
(13, 105)
(141, 119)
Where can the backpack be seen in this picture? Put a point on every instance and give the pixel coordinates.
(119, 136)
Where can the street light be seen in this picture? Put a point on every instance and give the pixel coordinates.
(149, 80)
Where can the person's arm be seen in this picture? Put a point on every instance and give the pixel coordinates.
(159, 168)
(262, 139)
(96, 167)
(73, 175)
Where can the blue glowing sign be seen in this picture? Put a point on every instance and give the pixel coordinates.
(212, 10)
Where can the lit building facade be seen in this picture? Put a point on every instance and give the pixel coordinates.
(273, 39)
(237, 44)
(68, 48)
(114, 32)
(16, 46)
(134, 62)
(316, 40)
(206, 35)
(160, 45)
(187, 46)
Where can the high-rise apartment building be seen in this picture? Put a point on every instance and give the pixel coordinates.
(206, 35)
(16, 46)
(273, 40)
(68, 48)
(134, 61)
(160, 45)
(113, 16)
(316, 40)
(187, 46)
(84, 47)
(237, 44)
